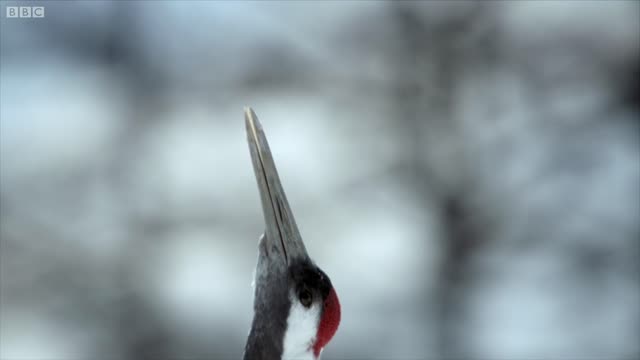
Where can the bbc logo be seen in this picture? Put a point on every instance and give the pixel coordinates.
(25, 11)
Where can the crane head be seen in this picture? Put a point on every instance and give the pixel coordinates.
(296, 309)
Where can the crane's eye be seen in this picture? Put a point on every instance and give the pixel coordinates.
(305, 297)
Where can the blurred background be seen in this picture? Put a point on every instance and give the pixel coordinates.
(468, 174)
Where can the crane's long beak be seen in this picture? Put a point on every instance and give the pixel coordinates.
(282, 235)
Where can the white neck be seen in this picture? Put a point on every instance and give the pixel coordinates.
(302, 327)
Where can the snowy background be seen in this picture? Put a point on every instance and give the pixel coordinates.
(467, 173)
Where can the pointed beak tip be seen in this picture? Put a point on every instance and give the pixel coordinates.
(251, 121)
(249, 113)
